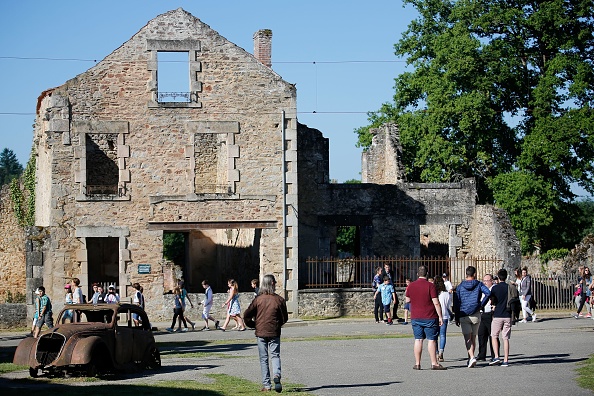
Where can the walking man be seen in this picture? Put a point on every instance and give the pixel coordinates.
(267, 313)
(426, 317)
(467, 308)
(501, 319)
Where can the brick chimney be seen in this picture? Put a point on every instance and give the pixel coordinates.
(263, 46)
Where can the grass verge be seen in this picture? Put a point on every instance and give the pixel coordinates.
(585, 378)
(219, 385)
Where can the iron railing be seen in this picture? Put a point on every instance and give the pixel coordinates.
(551, 292)
(164, 96)
(359, 271)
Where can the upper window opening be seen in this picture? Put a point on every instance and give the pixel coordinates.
(173, 77)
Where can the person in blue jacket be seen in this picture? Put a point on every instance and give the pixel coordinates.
(467, 308)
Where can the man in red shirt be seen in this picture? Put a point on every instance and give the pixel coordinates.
(426, 318)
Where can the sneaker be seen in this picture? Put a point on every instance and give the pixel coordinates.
(581, 315)
(523, 321)
(534, 317)
(494, 361)
(185, 329)
(390, 323)
(575, 316)
(217, 324)
(169, 329)
(504, 364)
(588, 315)
(193, 325)
(472, 362)
(277, 384)
(404, 323)
(440, 357)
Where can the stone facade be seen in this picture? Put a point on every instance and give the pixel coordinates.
(12, 248)
(332, 303)
(119, 166)
(13, 315)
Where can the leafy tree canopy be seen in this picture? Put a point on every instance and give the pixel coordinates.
(10, 168)
(501, 91)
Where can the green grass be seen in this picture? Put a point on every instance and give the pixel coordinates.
(586, 373)
(9, 367)
(218, 385)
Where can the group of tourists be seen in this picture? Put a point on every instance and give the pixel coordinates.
(484, 309)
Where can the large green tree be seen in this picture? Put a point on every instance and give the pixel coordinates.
(10, 168)
(502, 91)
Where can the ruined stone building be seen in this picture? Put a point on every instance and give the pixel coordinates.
(122, 166)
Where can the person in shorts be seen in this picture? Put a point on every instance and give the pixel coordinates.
(207, 305)
(44, 315)
(501, 323)
(467, 308)
(426, 317)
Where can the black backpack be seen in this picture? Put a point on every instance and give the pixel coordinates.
(513, 302)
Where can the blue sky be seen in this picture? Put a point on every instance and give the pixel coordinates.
(339, 54)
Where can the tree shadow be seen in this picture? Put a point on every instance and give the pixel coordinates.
(340, 386)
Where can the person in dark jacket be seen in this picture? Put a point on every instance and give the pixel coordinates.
(267, 314)
(467, 308)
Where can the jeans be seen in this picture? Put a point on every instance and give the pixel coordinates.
(269, 346)
(442, 335)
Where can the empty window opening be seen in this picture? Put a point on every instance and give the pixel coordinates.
(102, 164)
(103, 262)
(348, 241)
(173, 77)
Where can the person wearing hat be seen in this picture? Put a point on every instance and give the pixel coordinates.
(35, 315)
(112, 297)
(67, 315)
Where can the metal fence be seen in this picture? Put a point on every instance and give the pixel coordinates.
(554, 292)
(359, 271)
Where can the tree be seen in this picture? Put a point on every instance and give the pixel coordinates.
(501, 91)
(10, 168)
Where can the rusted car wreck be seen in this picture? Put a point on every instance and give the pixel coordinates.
(101, 338)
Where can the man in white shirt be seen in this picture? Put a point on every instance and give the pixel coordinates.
(484, 333)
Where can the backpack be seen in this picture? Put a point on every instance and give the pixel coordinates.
(513, 302)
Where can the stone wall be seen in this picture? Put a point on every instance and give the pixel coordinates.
(12, 248)
(332, 303)
(491, 235)
(13, 315)
(165, 182)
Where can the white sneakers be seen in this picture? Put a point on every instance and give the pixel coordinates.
(472, 362)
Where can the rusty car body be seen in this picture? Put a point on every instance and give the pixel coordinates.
(100, 338)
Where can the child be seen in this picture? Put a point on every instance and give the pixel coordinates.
(233, 308)
(178, 311)
(255, 283)
(44, 314)
(35, 315)
(67, 315)
(406, 305)
(388, 297)
(207, 305)
(138, 299)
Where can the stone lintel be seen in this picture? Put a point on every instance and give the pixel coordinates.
(92, 126)
(212, 127)
(101, 231)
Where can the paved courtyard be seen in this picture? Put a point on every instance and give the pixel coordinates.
(544, 358)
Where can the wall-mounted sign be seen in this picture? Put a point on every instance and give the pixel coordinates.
(144, 268)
